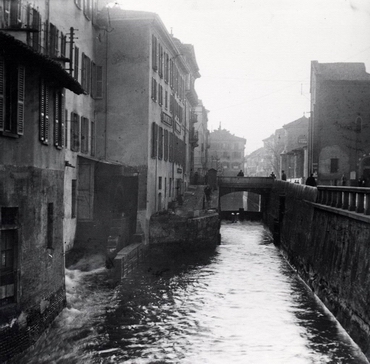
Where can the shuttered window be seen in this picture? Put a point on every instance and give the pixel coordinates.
(59, 106)
(84, 135)
(76, 63)
(160, 143)
(165, 143)
(75, 132)
(44, 112)
(154, 139)
(12, 97)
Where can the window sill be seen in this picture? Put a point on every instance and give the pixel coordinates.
(10, 134)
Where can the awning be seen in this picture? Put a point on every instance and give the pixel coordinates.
(52, 69)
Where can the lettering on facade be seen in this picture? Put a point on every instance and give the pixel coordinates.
(179, 170)
(166, 119)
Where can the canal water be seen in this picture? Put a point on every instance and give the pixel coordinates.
(239, 303)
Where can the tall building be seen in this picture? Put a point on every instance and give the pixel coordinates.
(149, 98)
(37, 80)
(339, 134)
(200, 134)
(293, 159)
(226, 152)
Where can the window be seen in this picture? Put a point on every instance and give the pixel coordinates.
(160, 65)
(166, 66)
(76, 63)
(74, 199)
(160, 95)
(159, 183)
(154, 139)
(154, 90)
(154, 53)
(86, 73)
(59, 119)
(170, 187)
(334, 165)
(165, 187)
(66, 129)
(165, 154)
(33, 38)
(166, 100)
(358, 125)
(92, 138)
(50, 226)
(12, 92)
(44, 112)
(53, 42)
(96, 81)
(171, 147)
(8, 263)
(160, 143)
(84, 135)
(63, 45)
(75, 132)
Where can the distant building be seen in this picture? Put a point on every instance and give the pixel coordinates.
(226, 152)
(339, 132)
(200, 135)
(255, 164)
(294, 155)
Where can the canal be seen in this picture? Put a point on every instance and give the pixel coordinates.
(239, 303)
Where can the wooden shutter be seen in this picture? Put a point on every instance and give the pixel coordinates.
(20, 105)
(62, 118)
(42, 111)
(2, 93)
(46, 113)
(99, 82)
(56, 120)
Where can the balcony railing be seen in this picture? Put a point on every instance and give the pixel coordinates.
(356, 199)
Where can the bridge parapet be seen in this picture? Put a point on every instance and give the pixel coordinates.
(356, 199)
(245, 182)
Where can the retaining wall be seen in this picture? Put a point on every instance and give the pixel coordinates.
(330, 251)
(195, 232)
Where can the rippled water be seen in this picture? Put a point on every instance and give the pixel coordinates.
(240, 303)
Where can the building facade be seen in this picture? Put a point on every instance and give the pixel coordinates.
(293, 158)
(149, 98)
(200, 135)
(339, 132)
(226, 152)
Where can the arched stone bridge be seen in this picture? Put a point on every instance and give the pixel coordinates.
(258, 185)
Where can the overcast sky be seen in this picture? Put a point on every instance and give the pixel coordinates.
(254, 55)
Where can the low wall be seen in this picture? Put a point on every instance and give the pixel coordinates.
(329, 249)
(196, 232)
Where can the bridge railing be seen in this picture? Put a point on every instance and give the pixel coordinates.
(260, 182)
(356, 199)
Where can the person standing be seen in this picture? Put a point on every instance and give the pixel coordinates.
(240, 174)
(283, 176)
(310, 181)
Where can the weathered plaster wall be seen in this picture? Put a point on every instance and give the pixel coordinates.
(330, 252)
(40, 292)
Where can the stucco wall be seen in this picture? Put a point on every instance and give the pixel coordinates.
(330, 252)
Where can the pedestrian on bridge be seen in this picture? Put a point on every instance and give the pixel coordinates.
(283, 176)
(310, 181)
(240, 174)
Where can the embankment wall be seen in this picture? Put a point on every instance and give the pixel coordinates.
(330, 251)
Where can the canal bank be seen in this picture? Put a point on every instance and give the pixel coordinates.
(329, 248)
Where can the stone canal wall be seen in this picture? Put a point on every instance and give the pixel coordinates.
(194, 232)
(329, 248)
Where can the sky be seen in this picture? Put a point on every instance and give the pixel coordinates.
(255, 56)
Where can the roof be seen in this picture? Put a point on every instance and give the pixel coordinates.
(49, 66)
(303, 120)
(223, 134)
(341, 71)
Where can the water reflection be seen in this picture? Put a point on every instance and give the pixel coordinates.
(240, 303)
